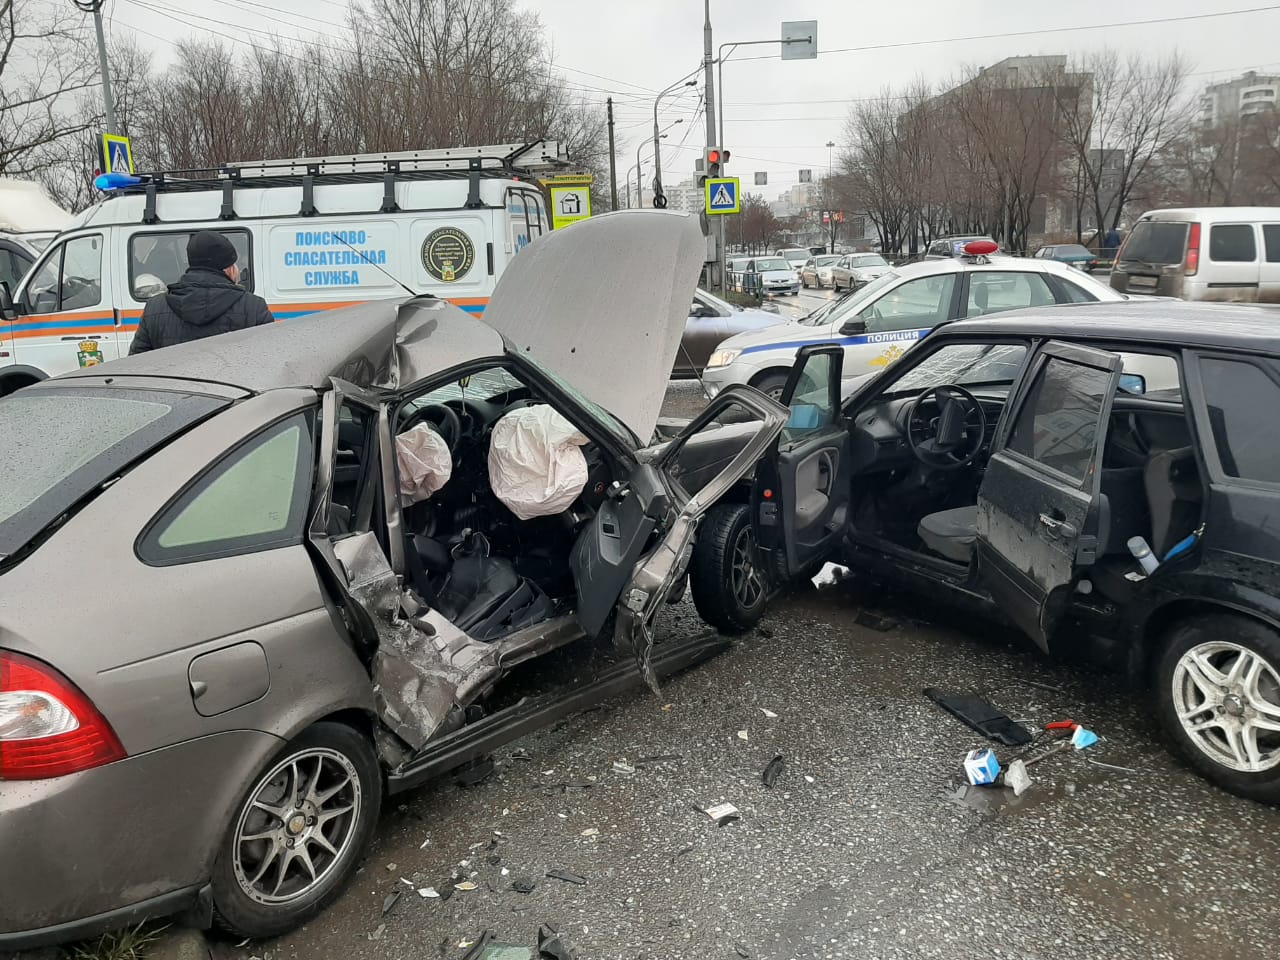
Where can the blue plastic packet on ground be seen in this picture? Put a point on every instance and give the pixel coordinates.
(1083, 738)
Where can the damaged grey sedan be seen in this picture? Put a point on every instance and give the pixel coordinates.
(252, 584)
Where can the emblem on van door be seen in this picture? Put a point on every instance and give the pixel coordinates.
(89, 353)
(447, 254)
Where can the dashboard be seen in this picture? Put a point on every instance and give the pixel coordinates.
(885, 426)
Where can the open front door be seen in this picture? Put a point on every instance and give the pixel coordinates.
(1039, 508)
(802, 491)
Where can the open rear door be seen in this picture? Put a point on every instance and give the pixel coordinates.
(1039, 508)
(802, 490)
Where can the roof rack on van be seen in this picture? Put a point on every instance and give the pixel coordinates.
(450, 163)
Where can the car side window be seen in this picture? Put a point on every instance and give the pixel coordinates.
(13, 267)
(255, 498)
(1058, 423)
(70, 279)
(1271, 238)
(1232, 243)
(812, 405)
(1073, 292)
(992, 292)
(157, 260)
(1236, 393)
(915, 305)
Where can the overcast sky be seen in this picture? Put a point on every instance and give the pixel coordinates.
(779, 114)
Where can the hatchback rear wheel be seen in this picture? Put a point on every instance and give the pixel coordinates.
(1218, 696)
(299, 833)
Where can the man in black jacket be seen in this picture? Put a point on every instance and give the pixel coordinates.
(205, 302)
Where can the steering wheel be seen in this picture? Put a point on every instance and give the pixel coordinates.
(955, 436)
(443, 418)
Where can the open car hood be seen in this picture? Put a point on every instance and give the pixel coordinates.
(603, 304)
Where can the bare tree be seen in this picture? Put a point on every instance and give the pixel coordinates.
(1133, 113)
(45, 61)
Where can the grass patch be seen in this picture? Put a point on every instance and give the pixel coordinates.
(130, 943)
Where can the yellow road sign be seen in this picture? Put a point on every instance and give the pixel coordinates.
(570, 203)
(117, 155)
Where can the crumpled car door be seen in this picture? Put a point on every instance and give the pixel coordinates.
(362, 561)
(659, 569)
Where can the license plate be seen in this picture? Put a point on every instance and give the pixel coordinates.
(1143, 281)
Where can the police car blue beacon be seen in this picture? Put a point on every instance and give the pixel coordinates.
(878, 322)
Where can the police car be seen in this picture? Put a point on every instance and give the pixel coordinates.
(879, 322)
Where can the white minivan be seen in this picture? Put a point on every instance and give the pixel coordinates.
(1203, 253)
(311, 235)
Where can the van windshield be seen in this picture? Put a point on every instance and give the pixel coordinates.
(63, 444)
(1154, 241)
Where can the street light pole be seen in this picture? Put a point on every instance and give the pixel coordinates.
(637, 166)
(659, 200)
(108, 101)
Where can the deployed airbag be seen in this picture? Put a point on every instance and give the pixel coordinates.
(424, 461)
(536, 466)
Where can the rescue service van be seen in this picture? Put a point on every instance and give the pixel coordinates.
(312, 235)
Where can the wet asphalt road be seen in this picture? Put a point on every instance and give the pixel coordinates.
(869, 845)
(866, 847)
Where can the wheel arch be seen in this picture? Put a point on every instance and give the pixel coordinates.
(1161, 620)
(19, 376)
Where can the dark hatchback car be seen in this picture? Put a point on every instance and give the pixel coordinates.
(1105, 475)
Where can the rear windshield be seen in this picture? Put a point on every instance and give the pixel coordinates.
(61, 445)
(1072, 250)
(1156, 242)
(868, 260)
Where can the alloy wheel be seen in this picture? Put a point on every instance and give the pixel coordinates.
(745, 576)
(1227, 698)
(298, 823)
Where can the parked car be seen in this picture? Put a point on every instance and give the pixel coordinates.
(816, 271)
(711, 321)
(736, 269)
(771, 275)
(947, 247)
(880, 321)
(857, 270)
(17, 254)
(1020, 467)
(300, 572)
(795, 256)
(1073, 254)
(1203, 253)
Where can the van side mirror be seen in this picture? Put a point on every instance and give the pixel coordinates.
(855, 325)
(7, 309)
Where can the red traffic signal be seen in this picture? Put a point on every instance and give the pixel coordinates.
(715, 157)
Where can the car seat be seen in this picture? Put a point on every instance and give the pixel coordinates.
(482, 595)
(1174, 494)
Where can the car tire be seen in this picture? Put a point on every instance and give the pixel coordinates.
(1195, 655)
(730, 590)
(280, 898)
(771, 383)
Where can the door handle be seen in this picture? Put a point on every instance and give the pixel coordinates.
(1056, 527)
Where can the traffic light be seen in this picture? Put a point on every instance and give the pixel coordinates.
(716, 158)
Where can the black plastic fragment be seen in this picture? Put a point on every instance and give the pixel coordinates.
(773, 771)
(981, 716)
(477, 948)
(389, 903)
(567, 877)
(865, 618)
(742, 951)
(524, 884)
(553, 946)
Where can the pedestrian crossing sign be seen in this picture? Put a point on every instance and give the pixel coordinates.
(116, 154)
(722, 195)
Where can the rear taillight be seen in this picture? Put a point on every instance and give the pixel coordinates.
(1192, 265)
(48, 728)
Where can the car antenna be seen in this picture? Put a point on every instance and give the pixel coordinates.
(363, 256)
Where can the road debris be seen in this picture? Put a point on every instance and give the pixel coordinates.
(1112, 766)
(390, 901)
(476, 947)
(553, 946)
(808, 779)
(425, 843)
(391, 868)
(981, 767)
(742, 735)
(773, 771)
(621, 766)
(865, 618)
(524, 884)
(377, 934)
(721, 813)
(742, 951)
(830, 573)
(429, 893)
(769, 713)
(977, 714)
(567, 877)
(590, 832)
(1017, 778)
(465, 886)
(687, 848)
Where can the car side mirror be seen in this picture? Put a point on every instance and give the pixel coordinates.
(701, 310)
(856, 325)
(1134, 383)
(8, 311)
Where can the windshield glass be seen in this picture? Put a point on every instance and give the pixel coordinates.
(772, 263)
(796, 254)
(850, 305)
(965, 364)
(825, 261)
(62, 444)
(1071, 250)
(1155, 242)
(868, 260)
